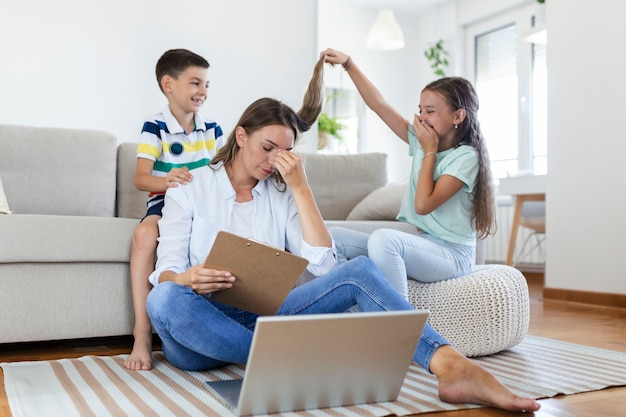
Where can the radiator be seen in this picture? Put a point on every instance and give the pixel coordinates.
(497, 246)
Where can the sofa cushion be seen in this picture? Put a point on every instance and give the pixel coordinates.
(58, 171)
(4, 205)
(339, 182)
(381, 204)
(130, 202)
(368, 226)
(36, 238)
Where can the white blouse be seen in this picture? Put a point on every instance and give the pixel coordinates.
(195, 212)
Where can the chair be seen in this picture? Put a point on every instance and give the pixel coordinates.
(521, 200)
(533, 217)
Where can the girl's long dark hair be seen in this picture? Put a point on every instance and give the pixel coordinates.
(460, 94)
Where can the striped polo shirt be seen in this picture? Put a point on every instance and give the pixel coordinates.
(166, 143)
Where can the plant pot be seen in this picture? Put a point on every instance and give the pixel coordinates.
(322, 140)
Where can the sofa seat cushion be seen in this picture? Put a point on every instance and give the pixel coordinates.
(368, 226)
(47, 238)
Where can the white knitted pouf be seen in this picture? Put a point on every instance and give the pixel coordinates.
(481, 313)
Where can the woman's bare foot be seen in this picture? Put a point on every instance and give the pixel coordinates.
(140, 358)
(464, 381)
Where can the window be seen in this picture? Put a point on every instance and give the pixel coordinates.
(496, 84)
(540, 110)
(347, 108)
(510, 76)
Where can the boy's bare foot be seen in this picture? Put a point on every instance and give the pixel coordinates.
(464, 381)
(140, 358)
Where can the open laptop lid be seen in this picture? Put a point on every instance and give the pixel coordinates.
(326, 360)
(265, 274)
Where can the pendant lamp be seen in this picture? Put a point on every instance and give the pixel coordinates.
(386, 34)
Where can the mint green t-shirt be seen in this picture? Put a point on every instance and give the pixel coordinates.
(452, 220)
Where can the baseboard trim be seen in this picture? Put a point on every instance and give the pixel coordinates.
(585, 297)
(531, 267)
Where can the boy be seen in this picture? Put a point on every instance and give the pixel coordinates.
(172, 143)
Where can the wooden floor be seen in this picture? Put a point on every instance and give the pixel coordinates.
(577, 323)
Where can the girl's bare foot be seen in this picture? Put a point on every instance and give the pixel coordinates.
(140, 358)
(464, 381)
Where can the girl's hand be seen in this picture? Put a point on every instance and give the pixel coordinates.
(334, 57)
(177, 176)
(291, 168)
(205, 280)
(426, 135)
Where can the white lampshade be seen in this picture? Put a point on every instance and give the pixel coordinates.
(386, 34)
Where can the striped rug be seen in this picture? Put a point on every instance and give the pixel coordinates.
(101, 386)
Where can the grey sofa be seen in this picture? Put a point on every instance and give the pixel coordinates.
(65, 249)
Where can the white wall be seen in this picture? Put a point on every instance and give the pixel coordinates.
(586, 197)
(90, 63)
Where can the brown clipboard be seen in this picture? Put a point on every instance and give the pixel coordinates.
(264, 274)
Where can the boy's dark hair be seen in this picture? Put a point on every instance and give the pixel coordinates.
(175, 61)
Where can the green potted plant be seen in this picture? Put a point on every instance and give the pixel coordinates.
(328, 126)
(437, 55)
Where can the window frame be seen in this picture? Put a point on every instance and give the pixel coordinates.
(524, 18)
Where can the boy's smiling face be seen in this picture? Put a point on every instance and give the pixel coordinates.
(187, 93)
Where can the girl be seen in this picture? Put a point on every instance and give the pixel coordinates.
(450, 194)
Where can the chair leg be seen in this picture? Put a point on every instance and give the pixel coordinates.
(524, 251)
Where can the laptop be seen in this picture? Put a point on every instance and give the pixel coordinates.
(324, 360)
(265, 274)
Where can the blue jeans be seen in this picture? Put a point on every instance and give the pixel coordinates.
(399, 255)
(198, 333)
